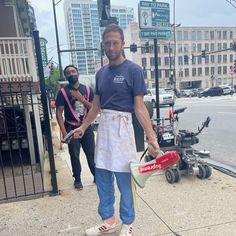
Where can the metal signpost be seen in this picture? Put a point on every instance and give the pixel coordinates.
(154, 23)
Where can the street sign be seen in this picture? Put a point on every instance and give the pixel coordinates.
(155, 34)
(154, 15)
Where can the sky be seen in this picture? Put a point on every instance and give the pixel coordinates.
(188, 13)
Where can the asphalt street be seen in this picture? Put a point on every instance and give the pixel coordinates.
(220, 137)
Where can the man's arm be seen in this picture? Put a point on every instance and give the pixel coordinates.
(82, 99)
(92, 114)
(60, 119)
(143, 117)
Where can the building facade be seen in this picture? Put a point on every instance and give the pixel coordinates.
(84, 32)
(193, 69)
(123, 14)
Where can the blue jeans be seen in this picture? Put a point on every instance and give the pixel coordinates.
(106, 193)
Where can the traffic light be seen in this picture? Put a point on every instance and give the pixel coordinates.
(203, 53)
(147, 47)
(133, 47)
(104, 9)
(185, 59)
(234, 66)
(145, 72)
(51, 69)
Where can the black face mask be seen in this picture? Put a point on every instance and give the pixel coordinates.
(72, 79)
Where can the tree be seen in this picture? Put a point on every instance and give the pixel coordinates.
(53, 80)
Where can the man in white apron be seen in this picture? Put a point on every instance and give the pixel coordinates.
(119, 92)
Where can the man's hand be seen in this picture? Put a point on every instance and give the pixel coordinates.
(67, 138)
(78, 133)
(154, 148)
(77, 95)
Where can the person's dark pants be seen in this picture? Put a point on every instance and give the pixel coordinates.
(88, 144)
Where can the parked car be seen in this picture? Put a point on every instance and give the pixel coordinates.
(226, 90)
(214, 91)
(164, 97)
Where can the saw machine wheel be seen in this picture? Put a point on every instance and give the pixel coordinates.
(170, 175)
(208, 171)
(202, 172)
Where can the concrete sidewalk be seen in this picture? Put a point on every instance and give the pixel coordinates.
(190, 207)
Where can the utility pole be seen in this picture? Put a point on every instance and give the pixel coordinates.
(174, 29)
(156, 78)
(57, 38)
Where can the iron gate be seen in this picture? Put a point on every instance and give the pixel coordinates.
(21, 122)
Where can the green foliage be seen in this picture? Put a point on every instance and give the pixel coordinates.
(52, 80)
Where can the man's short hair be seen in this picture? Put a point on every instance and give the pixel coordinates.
(64, 71)
(113, 28)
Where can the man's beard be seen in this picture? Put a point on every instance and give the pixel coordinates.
(114, 57)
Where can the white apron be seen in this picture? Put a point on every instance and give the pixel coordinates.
(115, 146)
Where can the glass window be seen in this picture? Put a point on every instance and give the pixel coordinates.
(194, 47)
(166, 61)
(199, 71)
(185, 47)
(180, 60)
(212, 47)
(219, 35)
(224, 35)
(224, 58)
(193, 35)
(224, 45)
(219, 46)
(180, 49)
(194, 72)
(199, 47)
(166, 48)
(224, 70)
(206, 71)
(212, 58)
(199, 60)
(206, 47)
(219, 59)
(206, 35)
(207, 59)
(212, 70)
(219, 70)
(153, 74)
(199, 35)
(193, 60)
(185, 35)
(167, 72)
(186, 72)
(231, 35)
(181, 73)
(231, 58)
(212, 35)
(179, 36)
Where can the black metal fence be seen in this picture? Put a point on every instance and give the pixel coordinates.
(21, 141)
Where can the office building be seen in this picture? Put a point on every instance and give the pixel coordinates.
(83, 32)
(203, 58)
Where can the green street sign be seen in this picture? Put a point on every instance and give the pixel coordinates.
(155, 34)
(154, 15)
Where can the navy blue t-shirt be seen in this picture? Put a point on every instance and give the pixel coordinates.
(117, 85)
